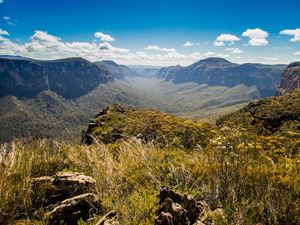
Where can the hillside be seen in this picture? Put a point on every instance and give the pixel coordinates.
(117, 122)
(271, 115)
(221, 72)
(155, 167)
(69, 78)
(45, 116)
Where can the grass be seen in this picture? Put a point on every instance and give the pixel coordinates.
(248, 182)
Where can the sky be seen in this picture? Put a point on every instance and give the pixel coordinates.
(154, 32)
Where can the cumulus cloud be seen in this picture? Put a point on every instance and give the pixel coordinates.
(43, 45)
(157, 48)
(257, 37)
(234, 50)
(214, 54)
(222, 39)
(104, 37)
(3, 32)
(295, 33)
(297, 53)
(188, 44)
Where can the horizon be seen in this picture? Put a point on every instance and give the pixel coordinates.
(156, 33)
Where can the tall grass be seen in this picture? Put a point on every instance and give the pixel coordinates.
(244, 180)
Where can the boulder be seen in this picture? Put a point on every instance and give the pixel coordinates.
(49, 190)
(177, 209)
(73, 209)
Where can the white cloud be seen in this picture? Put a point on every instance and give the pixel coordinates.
(295, 33)
(219, 43)
(9, 20)
(188, 44)
(222, 39)
(152, 47)
(157, 48)
(196, 55)
(43, 36)
(104, 37)
(270, 58)
(297, 53)
(43, 45)
(214, 54)
(234, 50)
(1, 1)
(257, 36)
(3, 32)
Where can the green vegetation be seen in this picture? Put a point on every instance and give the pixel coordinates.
(48, 115)
(121, 122)
(249, 170)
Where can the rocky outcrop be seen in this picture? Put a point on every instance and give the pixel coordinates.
(290, 78)
(69, 78)
(100, 120)
(49, 190)
(221, 72)
(73, 209)
(177, 209)
(68, 197)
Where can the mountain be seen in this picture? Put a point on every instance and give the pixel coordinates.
(290, 78)
(70, 78)
(15, 57)
(221, 72)
(145, 71)
(118, 71)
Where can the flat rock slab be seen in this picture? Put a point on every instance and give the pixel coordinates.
(49, 190)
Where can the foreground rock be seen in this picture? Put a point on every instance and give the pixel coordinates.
(49, 190)
(73, 209)
(67, 196)
(177, 209)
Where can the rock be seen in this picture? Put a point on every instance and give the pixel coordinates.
(49, 190)
(73, 209)
(177, 209)
(109, 219)
(290, 79)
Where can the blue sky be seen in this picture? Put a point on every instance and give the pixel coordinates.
(155, 32)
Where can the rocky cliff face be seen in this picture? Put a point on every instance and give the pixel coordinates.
(221, 72)
(69, 78)
(290, 78)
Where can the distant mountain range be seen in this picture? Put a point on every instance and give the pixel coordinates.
(56, 98)
(221, 72)
(69, 78)
(118, 71)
